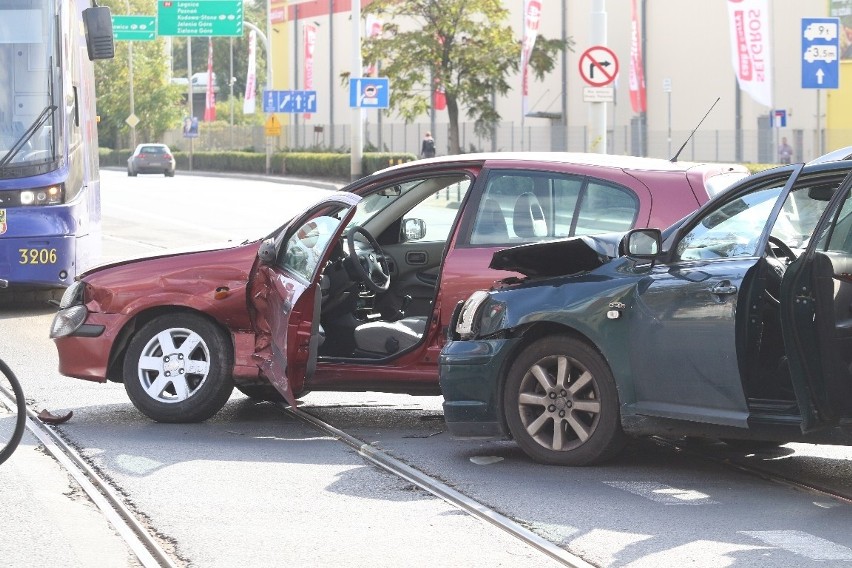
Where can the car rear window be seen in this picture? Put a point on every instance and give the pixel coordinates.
(153, 150)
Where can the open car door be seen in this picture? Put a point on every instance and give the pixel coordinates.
(816, 317)
(285, 292)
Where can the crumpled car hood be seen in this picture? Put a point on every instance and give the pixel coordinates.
(561, 257)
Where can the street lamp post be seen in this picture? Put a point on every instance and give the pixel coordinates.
(130, 76)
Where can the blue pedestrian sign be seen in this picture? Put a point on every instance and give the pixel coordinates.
(290, 101)
(369, 92)
(820, 53)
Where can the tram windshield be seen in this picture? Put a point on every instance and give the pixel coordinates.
(29, 86)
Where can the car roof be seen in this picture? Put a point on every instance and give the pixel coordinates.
(578, 158)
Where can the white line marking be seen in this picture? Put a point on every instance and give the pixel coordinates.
(803, 544)
(664, 494)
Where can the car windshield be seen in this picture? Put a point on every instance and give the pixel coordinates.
(377, 202)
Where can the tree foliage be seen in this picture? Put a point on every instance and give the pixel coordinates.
(158, 104)
(465, 46)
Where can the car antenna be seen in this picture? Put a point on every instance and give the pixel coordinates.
(691, 134)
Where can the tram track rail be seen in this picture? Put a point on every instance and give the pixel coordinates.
(141, 543)
(442, 491)
(755, 471)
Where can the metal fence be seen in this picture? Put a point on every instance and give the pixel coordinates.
(706, 145)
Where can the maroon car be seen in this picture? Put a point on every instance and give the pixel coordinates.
(356, 292)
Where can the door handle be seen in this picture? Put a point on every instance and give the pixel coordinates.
(723, 289)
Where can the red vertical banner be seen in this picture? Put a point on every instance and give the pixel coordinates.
(210, 100)
(309, 33)
(638, 96)
(374, 29)
(532, 19)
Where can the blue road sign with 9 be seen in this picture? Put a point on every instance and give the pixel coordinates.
(820, 53)
(369, 92)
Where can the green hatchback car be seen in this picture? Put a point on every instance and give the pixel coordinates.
(734, 324)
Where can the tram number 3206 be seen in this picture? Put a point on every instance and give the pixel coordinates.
(37, 256)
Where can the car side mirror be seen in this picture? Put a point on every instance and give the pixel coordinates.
(641, 243)
(97, 23)
(266, 252)
(413, 229)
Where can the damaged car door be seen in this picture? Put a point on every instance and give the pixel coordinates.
(286, 292)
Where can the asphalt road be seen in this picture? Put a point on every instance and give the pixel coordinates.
(253, 486)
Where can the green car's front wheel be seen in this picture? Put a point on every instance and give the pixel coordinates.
(561, 403)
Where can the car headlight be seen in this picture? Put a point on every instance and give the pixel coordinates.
(73, 295)
(479, 315)
(67, 321)
(51, 195)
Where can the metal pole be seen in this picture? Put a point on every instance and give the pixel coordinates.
(597, 112)
(564, 96)
(295, 81)
(130, 76)
(670, 123)
(231, 84)
(189, 89)
(331, 87)
(355, 169)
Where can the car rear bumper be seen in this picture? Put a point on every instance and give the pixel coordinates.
(471, 377)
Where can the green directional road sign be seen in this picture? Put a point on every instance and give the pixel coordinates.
(200, 17)
(134, 28)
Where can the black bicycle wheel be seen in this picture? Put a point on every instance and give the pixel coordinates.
(13, 412)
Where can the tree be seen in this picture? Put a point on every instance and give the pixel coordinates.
(157, 104)
(464, 46)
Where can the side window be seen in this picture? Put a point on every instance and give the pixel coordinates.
(732, 230)
(439, 210)
(525, 207)
(306, 247)
(840, 239)
(606, 208)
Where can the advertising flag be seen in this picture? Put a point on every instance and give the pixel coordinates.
(374, 29)
(751, 52)
(532, 18)
(309, 32)
(210, 100)
(638, 100)
(249, 100)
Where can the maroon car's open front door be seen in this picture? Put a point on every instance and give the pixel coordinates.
(816, 316)
(285, 292)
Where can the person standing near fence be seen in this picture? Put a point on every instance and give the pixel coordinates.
(785, 151)
(427, 148)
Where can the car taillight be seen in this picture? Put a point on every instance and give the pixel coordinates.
(167, 156)
(141, 154)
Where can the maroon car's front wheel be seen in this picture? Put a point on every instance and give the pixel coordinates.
(178, 368)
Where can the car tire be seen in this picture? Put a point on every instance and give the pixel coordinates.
(131, 173)
(169, 174)
(202, 369)
(574, 423)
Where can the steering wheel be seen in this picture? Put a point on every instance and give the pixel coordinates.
(785, 250)
(371, 267)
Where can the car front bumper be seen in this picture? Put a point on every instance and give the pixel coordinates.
(85, 353)
(471, 377)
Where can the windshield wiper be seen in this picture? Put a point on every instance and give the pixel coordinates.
(28, 133)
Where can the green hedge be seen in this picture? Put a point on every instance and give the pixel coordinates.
(306, 164)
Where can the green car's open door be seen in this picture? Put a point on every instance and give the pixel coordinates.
(816, 317)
